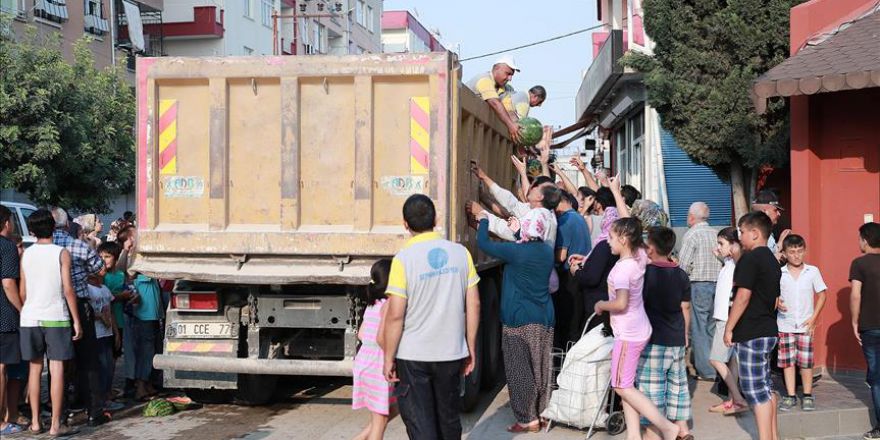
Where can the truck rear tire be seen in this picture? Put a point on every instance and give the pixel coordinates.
(255, 389)
(471, 385)
(490, 304)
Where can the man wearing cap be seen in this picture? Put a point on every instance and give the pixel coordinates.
(495, 89)
(767, 202)
(523, 101)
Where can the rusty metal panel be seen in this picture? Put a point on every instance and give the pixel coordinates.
(303, 159)
(183, 195)
(254, 183)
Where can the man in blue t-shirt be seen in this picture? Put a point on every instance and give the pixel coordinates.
(572, 238)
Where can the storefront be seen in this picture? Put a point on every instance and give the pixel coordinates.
(833, 81)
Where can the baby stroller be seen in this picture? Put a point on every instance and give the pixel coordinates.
(580, 385)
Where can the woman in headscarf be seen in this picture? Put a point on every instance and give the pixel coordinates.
(591, 271)
(90, 227)
(527, 314)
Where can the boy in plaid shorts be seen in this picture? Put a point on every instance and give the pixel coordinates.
(662, 375)
(797, 319)
(752, 320)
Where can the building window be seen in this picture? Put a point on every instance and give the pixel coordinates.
(93, 17)
(360, 13)
(266, 12)
(15, 8)
(248, 8)
(370, 19)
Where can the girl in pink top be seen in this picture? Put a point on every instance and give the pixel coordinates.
(631, 326)
(371, 390)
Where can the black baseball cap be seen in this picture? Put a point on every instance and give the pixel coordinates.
(767, 197)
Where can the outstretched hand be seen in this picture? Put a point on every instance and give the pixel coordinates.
(519, 164)
(614, 184)
(477, 171)
(577, 163)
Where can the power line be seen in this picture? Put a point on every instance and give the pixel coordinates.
(580, 31)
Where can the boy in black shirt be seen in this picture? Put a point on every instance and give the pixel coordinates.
(667, 298)
(864, 274)
(751, 325)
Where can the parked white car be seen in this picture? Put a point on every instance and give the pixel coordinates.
(20, 212)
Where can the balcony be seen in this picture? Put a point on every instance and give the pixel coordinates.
(96, 25)
(207, 23)
(601, 76)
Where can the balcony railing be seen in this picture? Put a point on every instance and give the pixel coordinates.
(96, 25)
(602, 74)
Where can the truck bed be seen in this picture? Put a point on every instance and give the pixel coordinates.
(294, 169)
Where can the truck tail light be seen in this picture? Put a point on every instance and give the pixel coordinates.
(195, 301)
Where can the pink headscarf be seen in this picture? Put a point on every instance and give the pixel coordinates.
(535, 225)
(610, 216)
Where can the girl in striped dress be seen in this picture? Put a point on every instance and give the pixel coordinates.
(371, 390)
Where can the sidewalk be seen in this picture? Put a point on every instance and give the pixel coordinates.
(842, 410)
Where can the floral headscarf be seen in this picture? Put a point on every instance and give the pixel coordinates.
(87, 222)
(610, 216)
(535, 225)
(650, 214)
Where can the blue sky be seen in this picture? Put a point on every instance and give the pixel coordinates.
(483, 26)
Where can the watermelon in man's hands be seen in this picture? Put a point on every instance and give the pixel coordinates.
(531, 130)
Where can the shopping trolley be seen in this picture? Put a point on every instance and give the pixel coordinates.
(580, 385)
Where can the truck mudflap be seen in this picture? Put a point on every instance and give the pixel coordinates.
(291, 367)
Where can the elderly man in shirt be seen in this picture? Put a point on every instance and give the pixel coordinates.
(697, 258)
(85, 262)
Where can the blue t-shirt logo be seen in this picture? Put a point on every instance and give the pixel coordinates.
(437, 258)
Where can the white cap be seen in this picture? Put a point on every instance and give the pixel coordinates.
(507, 59)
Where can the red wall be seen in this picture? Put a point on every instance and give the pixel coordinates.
(835, 180)
(835, 183)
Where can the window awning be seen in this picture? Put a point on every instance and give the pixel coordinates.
(847, 59)
(54, 8)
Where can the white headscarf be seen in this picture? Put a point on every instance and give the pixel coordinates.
(535, 225)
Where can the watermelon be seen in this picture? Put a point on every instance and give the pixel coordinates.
(159, 408)
(532, 131)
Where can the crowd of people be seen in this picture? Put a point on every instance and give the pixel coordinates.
(70, 304)
(729, 299)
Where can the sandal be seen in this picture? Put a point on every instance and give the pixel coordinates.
(11, 428)
(722, 407)
(65, 431)
(516, 428)
(735, 409)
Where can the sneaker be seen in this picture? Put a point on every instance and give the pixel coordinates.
(808, 403)
(787, 403)
(873, 434)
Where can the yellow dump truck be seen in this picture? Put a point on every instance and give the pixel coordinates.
(268, 186)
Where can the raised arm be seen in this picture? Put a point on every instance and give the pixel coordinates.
(588, 176)
(566, 181)
(520, 166)
(544, 149)
(499, 250)
(622, 209)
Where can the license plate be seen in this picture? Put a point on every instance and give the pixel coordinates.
(202, 329)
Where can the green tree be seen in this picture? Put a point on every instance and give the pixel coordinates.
(66, 129)
(707, 54)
